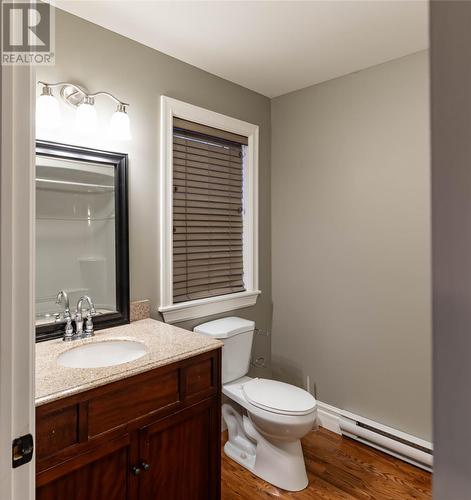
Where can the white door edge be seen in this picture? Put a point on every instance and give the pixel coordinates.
(17, 199)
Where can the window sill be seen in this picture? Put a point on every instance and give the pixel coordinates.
(206, 307)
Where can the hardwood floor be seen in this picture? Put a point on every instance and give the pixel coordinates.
(338, 468)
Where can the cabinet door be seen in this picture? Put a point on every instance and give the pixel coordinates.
(101, 474)
(183, 455)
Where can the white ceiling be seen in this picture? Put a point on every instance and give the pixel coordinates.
(272, 47)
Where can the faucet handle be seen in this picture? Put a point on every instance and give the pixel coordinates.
(89, 325)
(69, 330)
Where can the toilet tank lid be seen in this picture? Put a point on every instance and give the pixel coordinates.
(225, 327)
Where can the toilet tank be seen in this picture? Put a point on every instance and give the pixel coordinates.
(237, 335)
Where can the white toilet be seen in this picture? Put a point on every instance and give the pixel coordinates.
(267, 442)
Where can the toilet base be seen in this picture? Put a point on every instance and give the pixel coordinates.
(241, 457)
(281, 463)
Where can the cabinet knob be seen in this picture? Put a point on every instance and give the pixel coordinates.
(145, 466)
(136, 470)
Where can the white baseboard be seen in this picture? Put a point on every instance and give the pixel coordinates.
(330, 418)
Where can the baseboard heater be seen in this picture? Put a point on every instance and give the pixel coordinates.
(393, 445)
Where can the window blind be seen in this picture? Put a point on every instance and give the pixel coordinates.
(207, 212)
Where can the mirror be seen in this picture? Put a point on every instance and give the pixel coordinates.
(81, 235)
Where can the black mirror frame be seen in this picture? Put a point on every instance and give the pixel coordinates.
(120, 163)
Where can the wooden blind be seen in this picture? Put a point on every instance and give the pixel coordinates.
(207, 213)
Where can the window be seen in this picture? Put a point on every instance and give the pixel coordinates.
(207, 212)
(209, 244)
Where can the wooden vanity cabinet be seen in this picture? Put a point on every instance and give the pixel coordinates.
(155, 435)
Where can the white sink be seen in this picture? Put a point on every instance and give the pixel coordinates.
(101, 354)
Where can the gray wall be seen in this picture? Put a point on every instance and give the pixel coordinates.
(351, 242)
(350, 188)
(102, 60)
(451, 229)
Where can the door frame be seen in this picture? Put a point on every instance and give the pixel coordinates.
(17, 273)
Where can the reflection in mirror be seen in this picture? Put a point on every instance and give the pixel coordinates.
(75, 240)
(77, 200)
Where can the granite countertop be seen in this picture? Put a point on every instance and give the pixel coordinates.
(165, 344)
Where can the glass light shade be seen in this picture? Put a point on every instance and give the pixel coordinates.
(119, 126)
(48, 114)
(85, 118)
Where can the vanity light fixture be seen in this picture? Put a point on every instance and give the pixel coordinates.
(85, 116)
(119, 125)
(48, 115)
(48, 111)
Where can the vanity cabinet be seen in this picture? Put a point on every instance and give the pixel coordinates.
(180, 448)
(155, 435)
(99, 474)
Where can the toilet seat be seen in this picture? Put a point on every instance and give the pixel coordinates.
(278, 397)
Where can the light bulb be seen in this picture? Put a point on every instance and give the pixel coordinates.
(85, 116)
(119, 126)
(48, 114)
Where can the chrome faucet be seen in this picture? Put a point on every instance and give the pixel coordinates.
(62, 296)
(88, 332)
(69, 329)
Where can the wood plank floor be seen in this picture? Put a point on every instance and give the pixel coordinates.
(338, 468)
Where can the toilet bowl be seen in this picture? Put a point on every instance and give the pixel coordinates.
(267, 440)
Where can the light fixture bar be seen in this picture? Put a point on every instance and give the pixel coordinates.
(79, 90)
(111, 96)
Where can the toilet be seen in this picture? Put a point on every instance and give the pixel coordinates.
(266, 441)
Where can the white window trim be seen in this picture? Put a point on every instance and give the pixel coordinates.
(170, 108)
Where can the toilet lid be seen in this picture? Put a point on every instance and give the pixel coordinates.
(278, 397)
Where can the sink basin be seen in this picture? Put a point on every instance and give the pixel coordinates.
(101, 354)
